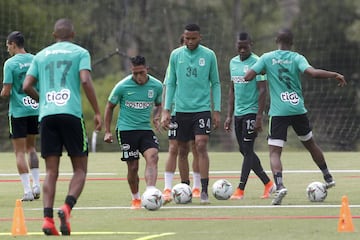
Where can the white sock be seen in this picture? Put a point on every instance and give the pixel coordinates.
(196, 180)
(149, 187)
(25, 180)
(135, 196)
(168, 179)
(35, 172)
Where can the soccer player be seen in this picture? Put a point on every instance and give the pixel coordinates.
(60, 69)
(23, 115)
(247, 100)
(170, 164)
(139, 98)
(193, 81)
(283, 68)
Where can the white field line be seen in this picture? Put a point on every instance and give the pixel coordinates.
(212, 207)
(60, 174)
(211, 172)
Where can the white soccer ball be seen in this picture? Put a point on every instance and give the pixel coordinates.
(181, 193)
(152, 199)
(222, 189)
(316, 192)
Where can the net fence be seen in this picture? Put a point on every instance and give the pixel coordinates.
(112, 30)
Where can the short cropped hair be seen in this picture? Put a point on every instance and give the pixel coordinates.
(243, 36)
(285, 36)
(138, 61)
(17, 38)
(192, 27)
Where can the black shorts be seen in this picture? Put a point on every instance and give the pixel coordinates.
(278, 126)
(23, 126)
(63, 130)
(191, 124)
(172, 132)
(244, 128)
(134, 142)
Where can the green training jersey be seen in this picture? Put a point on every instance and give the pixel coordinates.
(20, 104)
(246, 94)
(57, 69)
(136, 102)
(193, 78)
(283, 70)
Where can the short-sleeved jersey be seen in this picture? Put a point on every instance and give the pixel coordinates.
(246, 93)
(20, 105)
(136, 102)
(57, 69)
(193, 78)
(283, 70)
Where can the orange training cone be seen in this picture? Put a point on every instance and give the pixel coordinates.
(18, 225)
(345, 219)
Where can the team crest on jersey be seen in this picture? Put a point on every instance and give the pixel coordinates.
(246, 68)
(150, 93)
(202, 62)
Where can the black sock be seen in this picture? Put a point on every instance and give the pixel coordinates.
(70, 200)
(186, 182)
(325, 170)
(278, 180)
(48, 212)
(204, 184)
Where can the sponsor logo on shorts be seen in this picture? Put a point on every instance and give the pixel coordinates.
(125, 147)
(134, 154)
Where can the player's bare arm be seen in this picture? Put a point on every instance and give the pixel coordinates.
(5, 91)
(91, 96)
(109, 110)
(29, 89)
(216, 119)
(230, 113)
(156, 116)
(250, 75)
(320, 73)
(165, 119)
(262, 88)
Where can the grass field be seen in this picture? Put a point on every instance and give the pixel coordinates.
(103, 212)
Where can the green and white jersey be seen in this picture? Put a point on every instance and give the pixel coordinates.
(20, 105)
(246, 94)
(283, 70)
(136, 102)
(193, 78)
(57, 69)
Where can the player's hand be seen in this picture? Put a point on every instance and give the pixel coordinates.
(341, 79)
(108, 138)
(258, 123)
(227, 124)
(165, 119)
(216, 119)
(157, 124)
(98, 122)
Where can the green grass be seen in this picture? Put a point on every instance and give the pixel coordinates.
(102, 212)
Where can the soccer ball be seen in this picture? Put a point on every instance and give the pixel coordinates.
(181, 193)
(152, 199)
(222, 189)
(316, 192)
